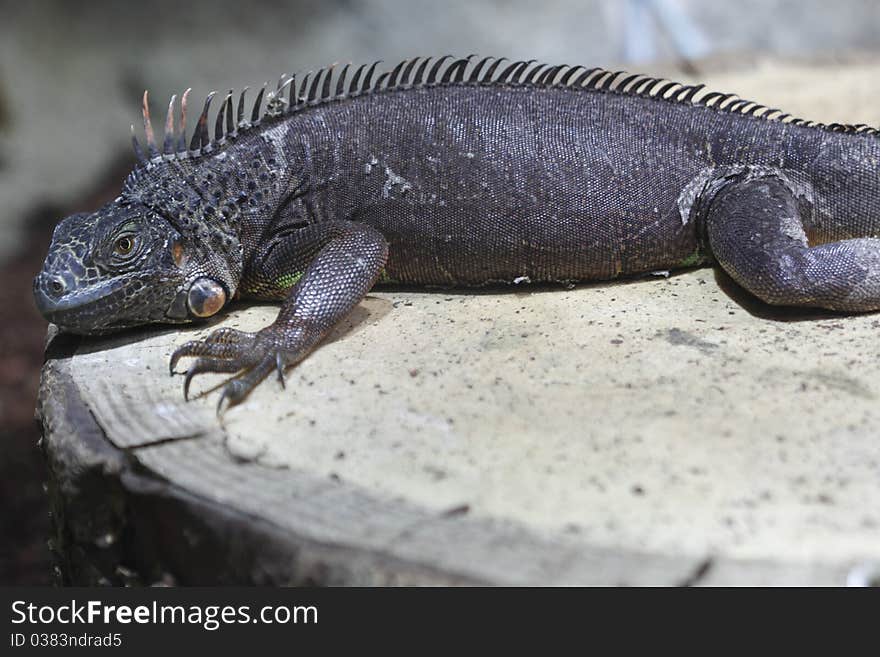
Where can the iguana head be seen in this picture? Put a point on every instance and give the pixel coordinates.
(122, 266)
(166, 250)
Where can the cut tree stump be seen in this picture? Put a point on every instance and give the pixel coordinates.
(664, 431)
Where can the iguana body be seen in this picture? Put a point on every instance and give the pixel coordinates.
(463, 174)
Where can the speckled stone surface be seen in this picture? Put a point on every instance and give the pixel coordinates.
(657, 416)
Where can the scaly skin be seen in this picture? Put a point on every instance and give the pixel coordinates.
(463, 174)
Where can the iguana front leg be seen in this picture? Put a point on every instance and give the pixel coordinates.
(756, 234)
(323, 271)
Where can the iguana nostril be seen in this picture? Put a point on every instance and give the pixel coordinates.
(56, 283)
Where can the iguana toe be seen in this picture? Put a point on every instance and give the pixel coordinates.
(236, 389)
(251, 357)
(210, 365)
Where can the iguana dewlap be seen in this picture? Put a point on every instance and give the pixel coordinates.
(461, 173)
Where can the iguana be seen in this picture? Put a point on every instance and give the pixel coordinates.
(460, 172)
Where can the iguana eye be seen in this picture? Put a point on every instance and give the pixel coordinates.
(124, 245)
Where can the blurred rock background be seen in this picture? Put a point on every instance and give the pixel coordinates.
(71, 76)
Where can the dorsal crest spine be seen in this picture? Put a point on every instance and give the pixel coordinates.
(328, 85)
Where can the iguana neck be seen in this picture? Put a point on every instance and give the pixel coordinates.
(223, 203)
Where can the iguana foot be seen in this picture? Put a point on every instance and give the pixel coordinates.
(250, 356)
(348, 261)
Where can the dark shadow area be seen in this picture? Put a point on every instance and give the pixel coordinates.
(97, 343)
(757, 308)
(24, 519)
(527, 288)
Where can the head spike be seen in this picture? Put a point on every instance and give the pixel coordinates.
(304, 88)
(313, 90)
(662, 91)
(529, 77)
(181, 137)
(392, 81)
(355, 81)
(239, 115)
(724, 100)
(148, 126)
(624, 84)
(328, 77)
(600, 81)
(381, 81)
(462, 68)
(275, 103)
(693, 91)
(547, 76)
(279, 93)
(475, 72)
(368, 81)
(168, 141)
(230, 123)
(511, 70)
(643, 85)
(138, 151)
(489, 77)
(455, 69)
(432, 74)
(201, 138)
(569, 74)
(340, 81)
(218, 122)
(404, 78)
(255, 113)
(291, 97)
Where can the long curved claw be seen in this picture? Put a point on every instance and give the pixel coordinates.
(237, 389)
(226, 393)
(250, 357)
(230, 344)
(279, 366)
(212, 365)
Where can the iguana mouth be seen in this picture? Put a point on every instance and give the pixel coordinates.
(74, 312)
